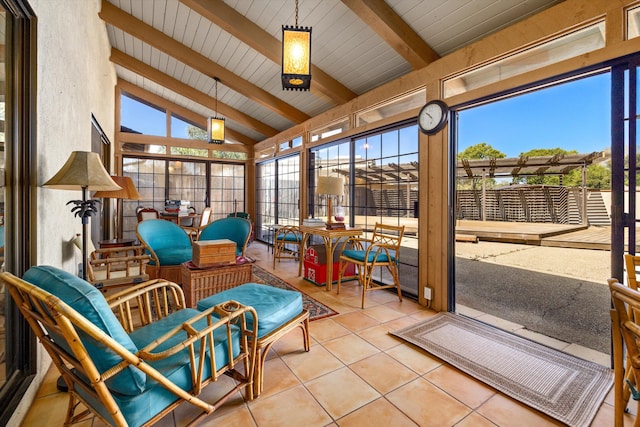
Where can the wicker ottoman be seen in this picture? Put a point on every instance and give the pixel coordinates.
(279, 311)
(199, 283)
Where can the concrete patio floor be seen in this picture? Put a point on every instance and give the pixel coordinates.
(554, 295)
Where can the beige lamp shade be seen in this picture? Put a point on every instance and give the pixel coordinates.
(83, 169)
(332, 185)
(127, 192)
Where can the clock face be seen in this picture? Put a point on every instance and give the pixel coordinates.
(432, 117)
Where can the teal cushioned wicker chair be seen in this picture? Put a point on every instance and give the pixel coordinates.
(235, 229)
(169, 246)
(133, 368)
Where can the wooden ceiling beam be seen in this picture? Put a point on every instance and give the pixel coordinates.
(227, 18)
(382, 19)
(159, 40)
(120, 58)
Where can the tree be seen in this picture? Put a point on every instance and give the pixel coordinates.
(481, 150)
(195, 132)
(200, 134)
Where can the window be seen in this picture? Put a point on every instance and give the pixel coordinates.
(391, 108)
(181, 128)
(277, 195)
(203, 183)
(292, 143)
(288, 190)
(227, 189)
(381, 176)
(330, 130)
(265, 199)
(329, 160)
(17, 153)
(633, 22)
(140, 117)
(571, 45)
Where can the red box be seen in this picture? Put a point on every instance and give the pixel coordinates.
(315, 265)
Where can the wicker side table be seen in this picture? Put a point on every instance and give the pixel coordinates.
(199, 283)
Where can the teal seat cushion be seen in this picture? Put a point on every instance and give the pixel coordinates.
(174, 256)
(89, 302)
(359, 256)
(290, 237)
(274, 306)
(138, 409)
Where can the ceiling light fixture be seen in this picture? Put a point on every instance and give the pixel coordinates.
(296, 56)
(215, 124)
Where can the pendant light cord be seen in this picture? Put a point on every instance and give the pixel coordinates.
(215, 111)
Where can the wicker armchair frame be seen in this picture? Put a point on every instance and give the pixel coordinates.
(135, 307)
(381, 250)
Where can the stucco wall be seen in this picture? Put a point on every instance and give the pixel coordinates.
(74, 79)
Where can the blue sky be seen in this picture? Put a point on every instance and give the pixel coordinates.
(149, 121)
(573, 116)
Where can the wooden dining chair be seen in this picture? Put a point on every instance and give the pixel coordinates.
(626, 333)
(194, 230)
(147, 213)
(381, 251)
(631, 264)
(287, 243)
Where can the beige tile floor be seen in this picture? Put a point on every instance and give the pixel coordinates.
(355, 375)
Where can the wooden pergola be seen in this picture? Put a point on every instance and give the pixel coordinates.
(558, 164)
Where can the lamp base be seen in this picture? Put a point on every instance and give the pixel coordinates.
(335, 225)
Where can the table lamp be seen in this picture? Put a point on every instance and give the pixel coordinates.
(127, 192)
(83, 171)
(331, 186)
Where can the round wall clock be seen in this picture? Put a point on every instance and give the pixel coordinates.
(433, 116)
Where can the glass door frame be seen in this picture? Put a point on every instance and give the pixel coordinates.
(624, 96)
(452, 161)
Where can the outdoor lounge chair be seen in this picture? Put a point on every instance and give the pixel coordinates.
(134, 371)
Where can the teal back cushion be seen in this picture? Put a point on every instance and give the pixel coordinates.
(233, 228)
(89, 302)
(167, 239)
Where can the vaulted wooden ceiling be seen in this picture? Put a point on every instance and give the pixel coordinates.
(174, 49)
